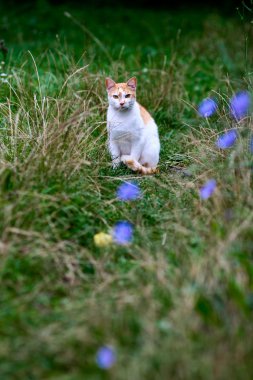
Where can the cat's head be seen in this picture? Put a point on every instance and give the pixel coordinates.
(121, 96)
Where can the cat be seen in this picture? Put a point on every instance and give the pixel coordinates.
(133, 133)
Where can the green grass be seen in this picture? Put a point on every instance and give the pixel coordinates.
(175, 304)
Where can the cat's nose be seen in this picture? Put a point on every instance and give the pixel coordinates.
(121, 103)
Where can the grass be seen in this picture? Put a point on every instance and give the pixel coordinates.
(176, 303)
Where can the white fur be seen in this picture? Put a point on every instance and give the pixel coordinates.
(129, 137)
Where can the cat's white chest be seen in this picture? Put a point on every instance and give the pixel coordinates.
(124, 126)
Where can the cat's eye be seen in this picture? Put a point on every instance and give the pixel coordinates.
(127, 95)
(115, 96)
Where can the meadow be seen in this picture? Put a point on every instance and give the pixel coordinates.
(177, 302)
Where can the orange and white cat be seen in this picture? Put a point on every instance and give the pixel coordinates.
(133, 134)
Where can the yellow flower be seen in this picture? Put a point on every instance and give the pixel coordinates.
(102, 239)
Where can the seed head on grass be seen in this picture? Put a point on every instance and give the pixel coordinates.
(106, 357)
(123, 232)
(128, 191)
(207, 190)
(239, 104)
(227, 139)
(207, 107)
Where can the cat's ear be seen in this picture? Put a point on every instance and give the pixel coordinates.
(132, 83)
(109, 83)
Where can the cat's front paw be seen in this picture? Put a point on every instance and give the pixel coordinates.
(130, 162)
(116, 163)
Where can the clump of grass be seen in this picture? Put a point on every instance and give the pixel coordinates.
(177, 301)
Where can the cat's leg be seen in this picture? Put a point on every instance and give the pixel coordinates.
(146, 164)
(115, 153)
(144, 156)
(132, 160)
(137, 166)
(150, 157)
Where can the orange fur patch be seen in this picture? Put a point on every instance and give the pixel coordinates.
(146, 117)
(144, 170)
(135, 166)
(132, 164)
(121, 87)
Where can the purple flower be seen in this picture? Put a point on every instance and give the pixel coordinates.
(227, 139)
(106, 357)
(128, 191)
(207, 107)
(122, 232)
(207, 190)
(239, 104)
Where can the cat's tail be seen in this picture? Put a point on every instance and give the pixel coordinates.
(137, 167)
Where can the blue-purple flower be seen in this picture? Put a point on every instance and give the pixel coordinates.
(106, 357)
(207, 190)
(128, 191)
(122, 232)
(239, 104)
(207, 107)
(227, 139)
